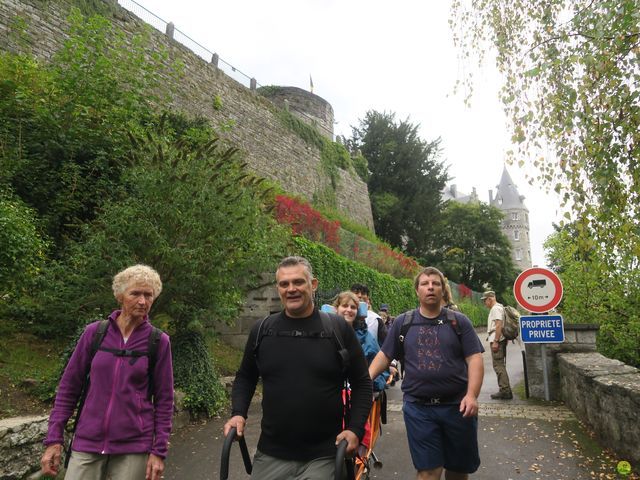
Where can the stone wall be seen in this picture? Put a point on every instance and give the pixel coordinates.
(269, 148)
(259, 303)
(578, 338)
(21, 446)
(21, 442)
(605, 394)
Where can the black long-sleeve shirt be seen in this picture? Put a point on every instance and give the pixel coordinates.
(302, 409)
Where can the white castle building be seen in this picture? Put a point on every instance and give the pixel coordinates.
(515, 225)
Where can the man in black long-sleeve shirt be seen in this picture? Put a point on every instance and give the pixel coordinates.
(302, 375)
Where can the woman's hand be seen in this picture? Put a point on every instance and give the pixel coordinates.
(50, 461)
(155, 467)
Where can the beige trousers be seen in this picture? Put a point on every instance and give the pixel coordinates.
(95, 466)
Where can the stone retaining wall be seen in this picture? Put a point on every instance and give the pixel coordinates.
(578, 338)
(21, 442)
(21, 446)
(605, 394)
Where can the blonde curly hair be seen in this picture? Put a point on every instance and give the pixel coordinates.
(136, 275)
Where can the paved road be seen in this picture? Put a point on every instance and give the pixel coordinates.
(519, 440)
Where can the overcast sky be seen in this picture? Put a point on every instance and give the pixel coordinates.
(371, 55)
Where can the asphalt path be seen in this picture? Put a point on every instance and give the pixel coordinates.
(519, 439)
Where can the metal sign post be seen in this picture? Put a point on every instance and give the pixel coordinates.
(542, 329)
(539, 290)
(545, 373)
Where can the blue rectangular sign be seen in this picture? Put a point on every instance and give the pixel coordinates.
(542, 329)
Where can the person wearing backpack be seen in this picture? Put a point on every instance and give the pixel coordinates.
(498, 343)
(121, 378)
(304, 357)
(346, 305)
(443, 377)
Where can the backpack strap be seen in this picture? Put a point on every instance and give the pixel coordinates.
(152, 353)
(332, 329)
(453, 321)
(98, 337)
(264, 329)
(407, 321)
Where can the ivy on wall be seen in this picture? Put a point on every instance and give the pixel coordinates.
(333, 155)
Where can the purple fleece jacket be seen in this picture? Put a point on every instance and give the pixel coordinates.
(117, 417)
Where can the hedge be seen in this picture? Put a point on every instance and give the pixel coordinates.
(336, 273)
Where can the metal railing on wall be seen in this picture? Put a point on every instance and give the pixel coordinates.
(169, 29)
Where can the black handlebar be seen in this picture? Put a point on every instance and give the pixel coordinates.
(233, 435)
(226, 450)
(340, 455)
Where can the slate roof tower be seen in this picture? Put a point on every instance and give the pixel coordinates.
(516, 219)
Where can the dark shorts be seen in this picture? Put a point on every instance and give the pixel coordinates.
(439, 436)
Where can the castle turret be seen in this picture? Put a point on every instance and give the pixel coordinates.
(516, 219)
(307, 106)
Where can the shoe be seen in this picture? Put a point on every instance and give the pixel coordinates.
(502, 396)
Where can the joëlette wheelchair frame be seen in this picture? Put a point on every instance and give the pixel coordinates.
(341, 462)
(356, 469)
(366, 458)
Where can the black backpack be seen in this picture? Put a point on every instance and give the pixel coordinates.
(151, 351)
(330, 331)
(407, 323)
(96, 344)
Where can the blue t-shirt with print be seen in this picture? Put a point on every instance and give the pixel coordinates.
(434, 355)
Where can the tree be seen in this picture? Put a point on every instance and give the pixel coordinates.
(582, 274)
(591, 295)
(64, 124)
(190, 210)
(572, 91)
(406, 178)
(471, 248)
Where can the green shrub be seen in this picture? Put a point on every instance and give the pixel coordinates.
(22, 250)
(476, 312)
(194, 374)
(620, 339)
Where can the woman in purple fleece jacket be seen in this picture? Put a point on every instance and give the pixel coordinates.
(122, 434)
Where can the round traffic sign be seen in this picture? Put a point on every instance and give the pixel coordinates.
(538, 290)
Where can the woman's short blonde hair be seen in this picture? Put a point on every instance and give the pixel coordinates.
(346, 295)
(136, 275)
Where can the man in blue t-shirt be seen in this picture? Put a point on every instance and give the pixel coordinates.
(443, 376)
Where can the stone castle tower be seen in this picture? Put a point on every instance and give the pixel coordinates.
(516, 219)
(307, 106)
(515, 225)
